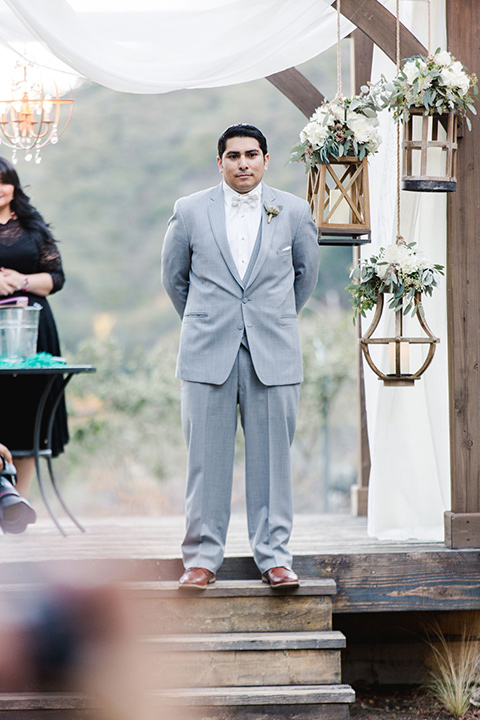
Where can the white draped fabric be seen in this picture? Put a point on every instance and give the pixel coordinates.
(156, 51)
(408, 427)
(148, 48)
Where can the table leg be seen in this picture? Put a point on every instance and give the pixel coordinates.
(49, 458)
(36, 450)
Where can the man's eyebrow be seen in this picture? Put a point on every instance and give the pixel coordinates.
(247, 152)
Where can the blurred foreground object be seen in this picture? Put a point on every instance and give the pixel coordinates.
(73, 638)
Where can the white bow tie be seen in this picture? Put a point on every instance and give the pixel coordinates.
(247, 199)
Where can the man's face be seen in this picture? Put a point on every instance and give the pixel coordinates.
(242, 164)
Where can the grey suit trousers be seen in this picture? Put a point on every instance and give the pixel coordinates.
(209, 416)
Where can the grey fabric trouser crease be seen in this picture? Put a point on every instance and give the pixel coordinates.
(209, 416)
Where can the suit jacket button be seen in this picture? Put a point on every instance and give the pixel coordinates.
(240, 326)
(245, 300)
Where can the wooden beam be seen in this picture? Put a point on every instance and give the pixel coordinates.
(362, 71)
(298, 89)
(463, 303)
(380, 26)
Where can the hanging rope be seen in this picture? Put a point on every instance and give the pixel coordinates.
(339, 55)
(399, 238)
(429, 25)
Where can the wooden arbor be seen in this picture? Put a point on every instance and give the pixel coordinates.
(462, 523)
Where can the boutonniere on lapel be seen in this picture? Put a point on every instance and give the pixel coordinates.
(272, 210)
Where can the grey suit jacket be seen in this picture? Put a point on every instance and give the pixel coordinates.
(217, 308)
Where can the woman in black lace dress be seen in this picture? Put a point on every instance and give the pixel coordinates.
(30, 265)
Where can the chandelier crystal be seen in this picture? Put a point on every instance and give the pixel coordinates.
(34, 115)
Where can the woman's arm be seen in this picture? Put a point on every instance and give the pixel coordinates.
(38, 283)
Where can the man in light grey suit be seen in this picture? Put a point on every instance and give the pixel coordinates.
(239, 262)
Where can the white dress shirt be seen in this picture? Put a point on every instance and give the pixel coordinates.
(243, 213)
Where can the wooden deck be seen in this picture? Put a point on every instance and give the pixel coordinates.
(371, 575)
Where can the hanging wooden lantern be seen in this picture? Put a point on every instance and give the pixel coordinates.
(339, 199)
(430, 151)
(399, 372)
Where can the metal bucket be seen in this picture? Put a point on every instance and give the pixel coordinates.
(18, 331)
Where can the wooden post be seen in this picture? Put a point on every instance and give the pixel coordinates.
(361, 73)
(462, 524)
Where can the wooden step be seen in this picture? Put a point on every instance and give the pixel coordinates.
(312, 702)
(253, 659)
(301, 702)
(231, 606)
(227, 606)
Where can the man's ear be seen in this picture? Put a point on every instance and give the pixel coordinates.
(219, 163)
(266, 159)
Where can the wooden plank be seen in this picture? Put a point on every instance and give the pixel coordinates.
(298, 90)
(310, 587)
(266, 641)
(463, 286)
(402, 581)
(212, 614)
(324, 703)
(245, 668)
(265, 712)
(379, 25)
(286, 694)
(362, 59)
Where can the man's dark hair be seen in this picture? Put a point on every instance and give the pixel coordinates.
(242, 130)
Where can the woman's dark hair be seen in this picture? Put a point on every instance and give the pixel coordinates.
(28, 216)
(242, 130)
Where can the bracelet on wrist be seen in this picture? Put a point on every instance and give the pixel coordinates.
(25, 283)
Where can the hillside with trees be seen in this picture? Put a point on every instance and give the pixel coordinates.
(108, 188)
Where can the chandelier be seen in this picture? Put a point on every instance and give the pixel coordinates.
(34, 115)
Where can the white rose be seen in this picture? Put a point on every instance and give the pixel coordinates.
(361, 128)
(413, 69)
(443, 58)
(337, 111)
(365, 132)
(314, 133)
(392, 255)
(410, 263)
(455, 77)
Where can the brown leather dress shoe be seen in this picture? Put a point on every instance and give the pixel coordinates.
(280, 577)
(196, 579)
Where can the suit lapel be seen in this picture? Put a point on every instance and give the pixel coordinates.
(216, 214)
(268, 229)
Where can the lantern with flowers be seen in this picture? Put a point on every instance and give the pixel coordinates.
(427, 95)
(403, 272)
(334, 145)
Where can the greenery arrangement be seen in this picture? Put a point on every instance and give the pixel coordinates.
(346, 126)
(439, 83)
(399, 269)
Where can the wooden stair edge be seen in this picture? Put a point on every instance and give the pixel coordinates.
(257, 695)
(223, 696)
(238, 641)
(221, 588)
(232, 588)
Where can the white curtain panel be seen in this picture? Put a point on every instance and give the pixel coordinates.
(160, 50)
(408, 427)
